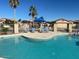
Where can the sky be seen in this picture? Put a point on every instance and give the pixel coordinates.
(49, 9)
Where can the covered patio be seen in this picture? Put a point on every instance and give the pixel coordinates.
(63, 25)
(76, 26)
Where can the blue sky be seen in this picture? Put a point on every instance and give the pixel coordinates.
(49, 9)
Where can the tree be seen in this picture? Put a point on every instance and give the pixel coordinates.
(33, 12)
(14, 4)
(19, 20)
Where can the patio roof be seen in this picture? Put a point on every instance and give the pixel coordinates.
(76, 21)
(63, 21)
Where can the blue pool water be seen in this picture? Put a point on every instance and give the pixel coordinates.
(60, 47)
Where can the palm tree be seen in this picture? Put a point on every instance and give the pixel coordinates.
(33, 12)
(14, 4)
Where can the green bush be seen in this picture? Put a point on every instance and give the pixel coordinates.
(4, 29)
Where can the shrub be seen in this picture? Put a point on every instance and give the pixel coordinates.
(4, 29)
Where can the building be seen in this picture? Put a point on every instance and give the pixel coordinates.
(63, 25)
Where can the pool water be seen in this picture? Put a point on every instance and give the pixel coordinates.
(59, 47)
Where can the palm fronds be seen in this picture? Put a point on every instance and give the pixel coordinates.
(14, 3)
(33, 11)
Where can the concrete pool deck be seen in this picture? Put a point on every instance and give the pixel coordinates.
(43, 36)
(37, 35)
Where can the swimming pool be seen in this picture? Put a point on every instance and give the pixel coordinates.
(60, 47)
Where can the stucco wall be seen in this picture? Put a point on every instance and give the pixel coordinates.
(61, 25)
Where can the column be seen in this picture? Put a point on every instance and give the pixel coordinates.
(16, 30)
(55, 27)
(70, 27)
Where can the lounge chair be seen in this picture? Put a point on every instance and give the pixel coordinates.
(46, 29)
(41, 29)
(32, 29)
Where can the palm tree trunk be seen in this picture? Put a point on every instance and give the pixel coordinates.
(14, 14)
(33, 18)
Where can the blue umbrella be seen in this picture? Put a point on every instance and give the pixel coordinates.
(41, 19)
